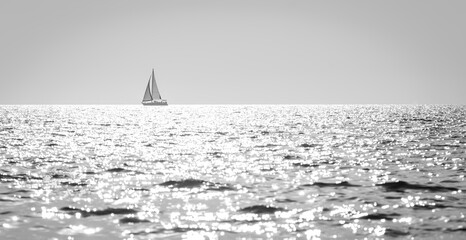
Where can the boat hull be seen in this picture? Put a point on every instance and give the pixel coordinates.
(155, 103)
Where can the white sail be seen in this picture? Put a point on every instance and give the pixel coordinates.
(147, 95)
(155, 90)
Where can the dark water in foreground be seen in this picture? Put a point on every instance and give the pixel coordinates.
(232, 172)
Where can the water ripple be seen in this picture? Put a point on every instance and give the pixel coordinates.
(233, 172)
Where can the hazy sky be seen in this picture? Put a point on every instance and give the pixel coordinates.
(237, 51)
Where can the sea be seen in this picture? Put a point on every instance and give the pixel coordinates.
(232, 172)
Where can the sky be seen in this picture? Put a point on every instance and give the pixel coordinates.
(233, 52)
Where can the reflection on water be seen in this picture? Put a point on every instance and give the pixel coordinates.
(226, 172)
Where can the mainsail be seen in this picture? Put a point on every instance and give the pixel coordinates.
(155, 90)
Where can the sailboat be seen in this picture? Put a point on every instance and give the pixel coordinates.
(152, 96)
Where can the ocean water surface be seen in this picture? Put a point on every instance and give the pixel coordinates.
(233, 172)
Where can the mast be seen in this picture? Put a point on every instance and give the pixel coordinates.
(155, 90)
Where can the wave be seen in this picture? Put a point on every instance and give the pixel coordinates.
(305, 165)
(291, 157)
(261, 209)
(312, 145)
(107, 211)
(132, 220)
(379, 216)
(15, 192)
(74, 184)
(395, 233)
(459, 229)
(118, 170)
(340, 184)
(195, 183)
(21, 176)
(401, 186)
(429, 206)
(60, 176)
(168, 230)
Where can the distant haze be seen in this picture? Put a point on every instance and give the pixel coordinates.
(233, 52)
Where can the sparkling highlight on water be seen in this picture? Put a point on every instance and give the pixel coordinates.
(232, 172)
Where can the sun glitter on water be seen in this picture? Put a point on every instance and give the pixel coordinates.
(228, 172)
